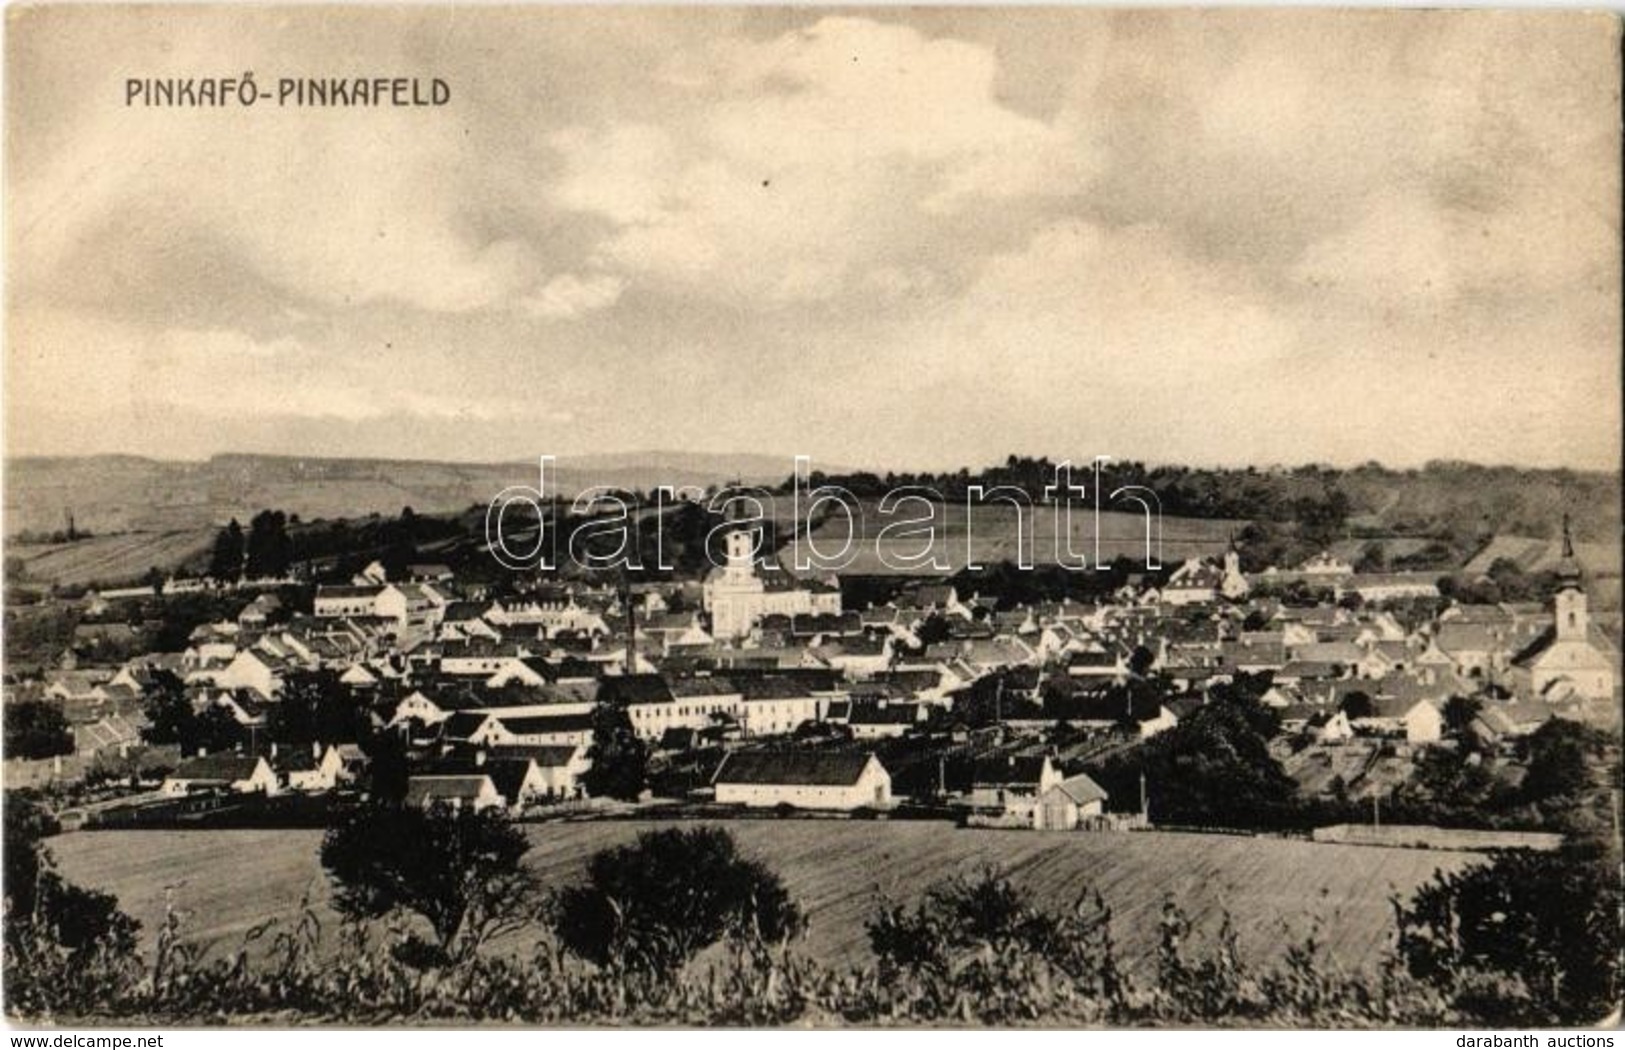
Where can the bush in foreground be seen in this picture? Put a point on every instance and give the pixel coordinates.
(460, 870)
(652, 905)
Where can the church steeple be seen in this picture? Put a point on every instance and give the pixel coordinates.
(1568, 567)
(1569, 606)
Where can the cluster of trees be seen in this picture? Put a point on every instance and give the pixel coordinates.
(1567, 767)
(37, 634)
(36, 729)
(171, 719)
(265, 552)
(315, 707)
(1300, 510)
(646, 907)
(1213, 768)
(1309, 495)
(1506, 581)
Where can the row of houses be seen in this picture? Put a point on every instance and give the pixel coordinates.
(1018, 791)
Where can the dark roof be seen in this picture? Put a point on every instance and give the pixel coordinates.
(294, 760)
(679, 738)
(825, 623)
(530, 725)
(223, 767)
(1101, 705)
(1025, 770)
(792, 767)
(507, 774)
(702, 685)
(774, 688)
(462, 724)
(546, 756)
(347, 591)
(875, 714)
(634, 689)
(420, 789)
(812, 679)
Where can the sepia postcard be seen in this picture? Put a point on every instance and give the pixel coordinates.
(818, 517)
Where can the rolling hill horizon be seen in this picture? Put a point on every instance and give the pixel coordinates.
(112, 492)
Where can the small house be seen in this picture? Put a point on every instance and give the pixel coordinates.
(1066, 805)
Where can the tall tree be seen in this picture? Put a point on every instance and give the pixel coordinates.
(620, 760)
(268, 550)
(226, 560)
(315, 707)
(170, 719)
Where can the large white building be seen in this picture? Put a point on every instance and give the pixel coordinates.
(805, 779)
(738, 598)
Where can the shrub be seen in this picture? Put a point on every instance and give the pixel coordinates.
(459, 869)
(650, 906)
(1529, 938)
(65, 945)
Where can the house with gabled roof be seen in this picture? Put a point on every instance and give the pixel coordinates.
(878, 719)
(347, 600)
(574, 728)
(247, 707)
(464, 619)
(774, 704)
(244, 774)
(656, 705)
(311, 769)
(253, 669)
(1066, 805)
(1420, 720)
(808, 779)
(469, 727)
(455, 790)
(1012, 784)
(559, 768)
(1195, 582)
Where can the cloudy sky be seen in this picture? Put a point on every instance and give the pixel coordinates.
(898, 238)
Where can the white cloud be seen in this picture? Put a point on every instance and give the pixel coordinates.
(807, 159)
(567, 296)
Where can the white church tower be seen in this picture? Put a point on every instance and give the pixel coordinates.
(1569, 604)
(734, 594)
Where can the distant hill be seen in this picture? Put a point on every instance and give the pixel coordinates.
(1464, 503)
(130, 493)
(1600, 561)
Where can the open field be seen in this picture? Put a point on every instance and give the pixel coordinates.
(131, 493)
(227, 881)
(987, 534)
(110, 559)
